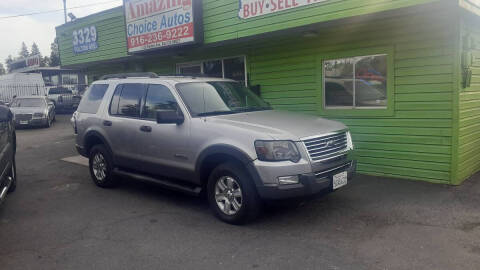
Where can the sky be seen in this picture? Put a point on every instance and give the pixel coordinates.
(39, 28)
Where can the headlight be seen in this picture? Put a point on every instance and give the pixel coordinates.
(349, 141)
(38, 115)
(277, 151)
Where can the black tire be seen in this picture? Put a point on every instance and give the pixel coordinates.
(251, 204)
(49, 123)
(13, 175)
(109, 179)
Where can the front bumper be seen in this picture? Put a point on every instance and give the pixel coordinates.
(320, 181)
(31, 123)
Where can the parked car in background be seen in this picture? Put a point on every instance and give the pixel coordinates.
(36, 111)
(64, 99)
(8, 173)
(193, 134)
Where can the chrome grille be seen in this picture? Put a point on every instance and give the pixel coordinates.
(23, 117)
(326, 147)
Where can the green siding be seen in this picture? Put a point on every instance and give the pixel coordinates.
(432, 131)
(416, 141)
(221, 21)
(111, 38)
(469, 105)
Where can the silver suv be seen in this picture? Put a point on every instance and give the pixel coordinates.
(206, 134)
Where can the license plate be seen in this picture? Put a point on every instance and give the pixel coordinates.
(339, 180)
(23, 122)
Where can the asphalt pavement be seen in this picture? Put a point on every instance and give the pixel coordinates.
(58, 219)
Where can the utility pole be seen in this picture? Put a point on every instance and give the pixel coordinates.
(65, 10)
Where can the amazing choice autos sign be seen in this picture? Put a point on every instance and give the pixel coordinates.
(253, 8)
(153, 24)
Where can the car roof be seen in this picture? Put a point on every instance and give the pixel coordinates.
(163, 79)
(38, 97)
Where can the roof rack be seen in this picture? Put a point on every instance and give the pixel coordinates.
(188, 75)
(129, 75)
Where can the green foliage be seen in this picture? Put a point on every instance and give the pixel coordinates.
(54, 59)
(23, 51)
(8, 62)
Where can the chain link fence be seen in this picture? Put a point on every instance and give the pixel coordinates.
(65, 97)
(11, 90)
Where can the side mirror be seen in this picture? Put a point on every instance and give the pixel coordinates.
(169, 117)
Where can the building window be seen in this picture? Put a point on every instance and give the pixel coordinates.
(69, 78)
(229, 68)
(356, 82)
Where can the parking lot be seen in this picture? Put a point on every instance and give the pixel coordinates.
(58, 219)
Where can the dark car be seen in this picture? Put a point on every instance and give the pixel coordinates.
(8, 173)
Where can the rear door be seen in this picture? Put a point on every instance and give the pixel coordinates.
(122, 121)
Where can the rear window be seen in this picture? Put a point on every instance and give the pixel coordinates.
(92, 99)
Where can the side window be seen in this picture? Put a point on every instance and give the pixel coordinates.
(93, 98)
(130, 99)
(158, 97)
(115, 99)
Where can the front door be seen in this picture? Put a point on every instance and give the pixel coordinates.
(162, 148)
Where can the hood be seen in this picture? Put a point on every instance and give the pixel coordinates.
(280, 125)
(26, 110)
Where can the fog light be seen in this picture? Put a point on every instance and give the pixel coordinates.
(287, 180)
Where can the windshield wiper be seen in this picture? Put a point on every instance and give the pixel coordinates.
(215, 113)
(252, 109)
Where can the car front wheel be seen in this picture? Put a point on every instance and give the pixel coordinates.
(101, 167)
(232, 194)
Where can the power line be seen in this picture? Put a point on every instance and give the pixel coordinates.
(55, 10)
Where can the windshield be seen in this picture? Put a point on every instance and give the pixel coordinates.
(28, 102)
(212, 98)
(56, 91)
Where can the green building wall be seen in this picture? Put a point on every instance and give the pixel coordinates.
(469, 98)
(431, 130)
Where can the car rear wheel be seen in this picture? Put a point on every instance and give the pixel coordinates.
(232, 195)
(101, 167)
(13, 175)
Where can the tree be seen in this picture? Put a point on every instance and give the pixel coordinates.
(24, 51)
(9, 62)
(36, 51)
(2, 69)
(46, 61)
(54, 54)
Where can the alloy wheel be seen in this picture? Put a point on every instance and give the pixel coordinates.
(99, 167)
(228, 195)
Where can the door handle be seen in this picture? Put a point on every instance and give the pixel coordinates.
(146, 128)
(107, 123)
